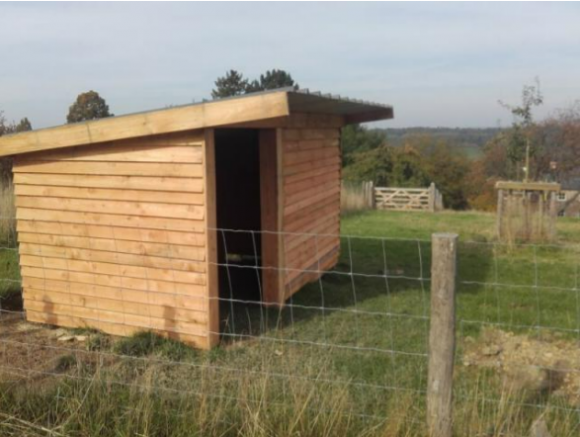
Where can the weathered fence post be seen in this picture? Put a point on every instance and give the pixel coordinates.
(442, 335)
(432, 197)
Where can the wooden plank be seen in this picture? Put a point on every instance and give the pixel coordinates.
(270, 216)
(326, 263)
(296, 120)
(212, 290)
(190, 185)
(332, 174)
(318, 121)
(329, 188)
(113, 258)
(177, 148)
(149, 274)
(129, 221)
(310, 134)
(308, 261)
(280, 165)
(183, 198)
(300, 220)
(110, 168)
(178, 119)
(111, 287)
(109, 328)
(310, 145)
(529, 186)
(112, 245)
(292, 158)
(140, 321)
(307, 167)
(305, 254)
(373, 115)
(192, 212)
(112, 232)
(329, 225)
(115, 306)
(305, 203)
(302, 177)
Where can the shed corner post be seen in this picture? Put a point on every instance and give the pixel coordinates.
(272, 215)
(213, 324)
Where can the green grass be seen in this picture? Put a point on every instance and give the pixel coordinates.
(9, 273)
(309, 370)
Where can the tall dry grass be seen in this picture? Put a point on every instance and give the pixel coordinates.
(141, 397)
(7, 214)
(133, 397)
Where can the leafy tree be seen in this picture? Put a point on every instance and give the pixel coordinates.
(373, 165)
(273, 79)
(7, 128)
(4, 128)
(418, 163)
(449, 170)
(232, 84)
(520, 146)
(235, 84)
(558, 145)
(88, 106)
(355, 138)
(23, 126)
(409, 169)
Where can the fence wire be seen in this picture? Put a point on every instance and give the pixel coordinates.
(353, 341)
(344, 332)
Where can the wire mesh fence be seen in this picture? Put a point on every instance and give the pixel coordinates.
(350, 347)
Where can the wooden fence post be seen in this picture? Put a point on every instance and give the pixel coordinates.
(442, 335)
(499, 213)
(432, 197)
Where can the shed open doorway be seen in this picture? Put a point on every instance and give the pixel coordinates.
(238, 215)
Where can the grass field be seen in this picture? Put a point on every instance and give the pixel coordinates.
(321, 368)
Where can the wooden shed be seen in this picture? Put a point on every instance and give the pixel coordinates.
(122, 221)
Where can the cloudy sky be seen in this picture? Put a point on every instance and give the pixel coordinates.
(437, 64)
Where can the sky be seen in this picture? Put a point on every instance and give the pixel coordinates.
(437, 64)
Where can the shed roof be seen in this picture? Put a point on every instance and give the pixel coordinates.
(223, 112)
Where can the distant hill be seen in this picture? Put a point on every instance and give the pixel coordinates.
(469, 141)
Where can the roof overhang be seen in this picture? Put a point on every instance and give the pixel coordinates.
(218, 113)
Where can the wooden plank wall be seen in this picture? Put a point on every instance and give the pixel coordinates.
(113, 236)
(311, 162)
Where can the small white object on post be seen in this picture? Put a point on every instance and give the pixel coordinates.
(442, 335)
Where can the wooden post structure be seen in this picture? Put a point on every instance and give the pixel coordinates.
(442, 335)
(499, 215)
(371, 195)
(432, 197)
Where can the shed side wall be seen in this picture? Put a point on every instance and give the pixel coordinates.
(113, 236)
(311, 163)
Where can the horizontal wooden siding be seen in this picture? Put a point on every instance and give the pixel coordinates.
(113, 236)
(311, 165)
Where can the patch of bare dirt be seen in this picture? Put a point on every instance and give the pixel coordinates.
(32, 351)
(549, 365)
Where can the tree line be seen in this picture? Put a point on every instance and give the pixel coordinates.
(537, 151)
(548, 150)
